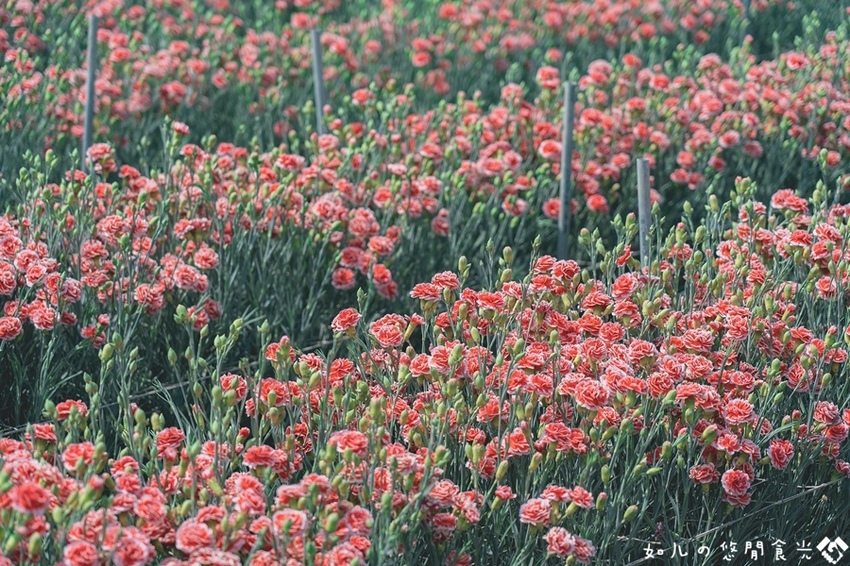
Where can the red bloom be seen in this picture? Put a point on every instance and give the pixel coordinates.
(236, 383)
(343, 279)
(581, 497)
(30, 498)
(826, 413)
(346, 320)
(504, 493)
(63, 409)
(168, 441)
(735, 482)
(80, 553)
(559, 542)
(535, 512)
(780, 453)
(350, 439)
(591, 395)
(550, 149)
(738, 411)
(76, 452)
(192, 535)
(446, 280)
(704, 473)
(518, 443)
(556, 493)
(584, 550)
(262, 455)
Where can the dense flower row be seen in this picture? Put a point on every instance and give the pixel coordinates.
(178, 57)
(121, 259)
(229, 192)
(514, 391)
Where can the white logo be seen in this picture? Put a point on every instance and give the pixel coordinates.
(832, 550)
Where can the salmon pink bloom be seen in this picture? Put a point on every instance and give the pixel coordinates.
(504, 493)
(78, 452)
(192, 535)
(704, 473)
(559, 542)
(354, 440)
(780, 453)
(738, 411)
(535, 512)
(63, 409)
(30, 498)
(168, 441)
(591, 395)
(346, 320)
(80, 553)
(735, 482)
(548, 78)
(10, 327)
(550, 149)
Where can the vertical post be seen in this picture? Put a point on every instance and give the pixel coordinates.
(566, 192)
(318, 79)
(90, 78)
(644, 210)
(745, 28)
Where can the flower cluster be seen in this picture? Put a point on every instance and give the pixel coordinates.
(514, 383)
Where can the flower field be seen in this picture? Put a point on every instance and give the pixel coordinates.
(231, 336)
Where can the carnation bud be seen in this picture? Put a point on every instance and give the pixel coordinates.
(140, 417)
(601, 501)
(479, 381)
(501, 470)
(519, 411)
(49, 409)
(35, 544)
(331, 523)
(630, 513)
(106, 352)
(535, 462)
(478, 451)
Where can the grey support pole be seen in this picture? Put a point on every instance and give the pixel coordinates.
(566, 171)
(318, 79)
(644, 210)
(90, 78)
(745, 31)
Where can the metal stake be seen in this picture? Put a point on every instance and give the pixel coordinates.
(644, 210)
(566, 191)
(318, 79)
(90, 78)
